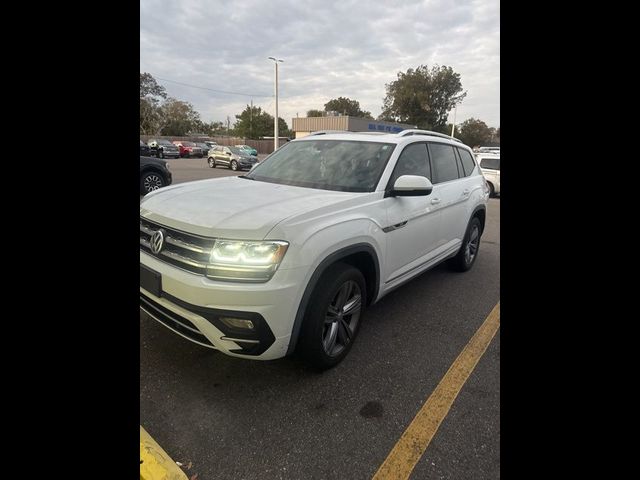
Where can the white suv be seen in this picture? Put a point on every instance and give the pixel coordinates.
(490, 167)
(287, 257)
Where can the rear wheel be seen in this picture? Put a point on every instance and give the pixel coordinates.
(468, 253)
(492, 190)
(212, 162)
(333, 316)
(233, 165)
(161, 154)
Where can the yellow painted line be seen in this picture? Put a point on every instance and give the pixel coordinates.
(416, 438)
(155, 464)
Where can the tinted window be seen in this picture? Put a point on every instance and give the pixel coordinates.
(443, 162)
(490, 163)
(413, 161)
(467, 161)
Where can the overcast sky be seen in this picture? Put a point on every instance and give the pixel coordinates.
(330, 49)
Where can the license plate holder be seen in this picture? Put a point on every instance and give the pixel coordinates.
(151, 280)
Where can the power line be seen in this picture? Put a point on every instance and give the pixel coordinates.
(212, 89)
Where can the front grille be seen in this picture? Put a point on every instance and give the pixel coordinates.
(183, 250)
(173, 320)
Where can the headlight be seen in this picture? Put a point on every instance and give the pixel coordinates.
(245, 260)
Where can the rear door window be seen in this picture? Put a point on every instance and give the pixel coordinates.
(443, 162)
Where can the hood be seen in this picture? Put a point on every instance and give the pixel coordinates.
(233, 207)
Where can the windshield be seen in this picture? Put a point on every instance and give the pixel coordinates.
(188, 144)
(237, 151)
(344, 165)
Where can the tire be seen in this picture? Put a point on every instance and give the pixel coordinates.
(468, 253)
(161, 154)
(233, 165)
(492, 190)
(212, 162)
(151, 181)
(327, 335)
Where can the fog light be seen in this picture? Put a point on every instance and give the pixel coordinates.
(237, 323)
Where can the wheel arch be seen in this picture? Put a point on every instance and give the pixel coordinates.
(362, 256)
(481, 213)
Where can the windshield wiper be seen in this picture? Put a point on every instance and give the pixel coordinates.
(245, 177)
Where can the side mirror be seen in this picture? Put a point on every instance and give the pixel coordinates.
(410, 186)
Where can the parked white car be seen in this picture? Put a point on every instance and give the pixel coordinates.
(288, 256)
(490, 166)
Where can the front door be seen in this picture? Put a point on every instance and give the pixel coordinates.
(413, 222)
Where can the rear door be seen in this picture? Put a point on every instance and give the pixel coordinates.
(449, 193)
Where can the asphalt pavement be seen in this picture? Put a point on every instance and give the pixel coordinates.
(233, 418)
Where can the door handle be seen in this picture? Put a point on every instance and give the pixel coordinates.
(466, 192)
(435, 201)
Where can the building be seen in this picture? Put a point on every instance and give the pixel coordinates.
(303, 126)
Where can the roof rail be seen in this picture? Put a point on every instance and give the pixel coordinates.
(327, 132)
(415, 131)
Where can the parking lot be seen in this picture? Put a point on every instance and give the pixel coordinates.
(232, 418)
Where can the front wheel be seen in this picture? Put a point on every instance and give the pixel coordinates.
(492, 190)
(234, 165)
(333, 316)
(468, 253)
(151, 181)
(212, 163)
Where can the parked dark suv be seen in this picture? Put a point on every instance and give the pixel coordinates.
(144, 149)
(154, 174)
(162, 148)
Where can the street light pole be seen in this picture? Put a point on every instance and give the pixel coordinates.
(275, 122)
(453, 127)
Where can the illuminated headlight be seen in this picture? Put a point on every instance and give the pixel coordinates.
(245, 261)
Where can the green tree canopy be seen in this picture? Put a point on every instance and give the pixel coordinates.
(316, 113)
(255, 123)
(346, 106)
(179, 118)
(423, 97)
(474, 132)
(150, 88)
(151, 95)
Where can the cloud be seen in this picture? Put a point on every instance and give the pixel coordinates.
(330, 49)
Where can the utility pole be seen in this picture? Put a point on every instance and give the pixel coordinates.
(228, 121)
(275, 122)
(251, 120)
(453, 127)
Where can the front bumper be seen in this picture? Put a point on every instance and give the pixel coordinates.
(245, 164)
(191, 305)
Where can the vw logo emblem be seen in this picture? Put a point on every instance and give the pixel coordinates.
(157, 241)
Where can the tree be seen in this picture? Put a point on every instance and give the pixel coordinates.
(346, 106)
(316, 113)
(255, 123)
(150, 88)
(151, 95)
(179, 118)
(423, 97)
(474, 132)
